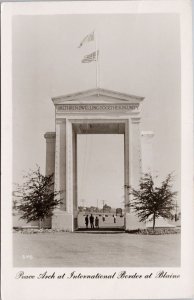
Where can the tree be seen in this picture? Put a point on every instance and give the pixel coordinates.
(80, 208)
(118, 211)
(37, 198)
(106, 208)
(150, 201)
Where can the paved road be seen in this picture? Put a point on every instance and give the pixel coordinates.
(109, 220)
(63, 249)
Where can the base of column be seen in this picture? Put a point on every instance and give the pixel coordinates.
(132, 222)
(61, 220)
(46, 223)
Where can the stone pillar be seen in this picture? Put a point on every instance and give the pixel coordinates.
(50, 163)
(69, 167)
(147, 151)
(50, 152)
(75, 192)
(127, 164)
(135, 151)
(60, 161)
(132, 221)
(61, 220)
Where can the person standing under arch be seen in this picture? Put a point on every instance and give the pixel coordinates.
(115, 219)
(92, 221)
(86, 221)
(97, 222)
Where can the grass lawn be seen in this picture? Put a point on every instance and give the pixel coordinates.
(63, 249)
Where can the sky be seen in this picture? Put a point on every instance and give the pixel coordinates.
(101, 169)
(139, 55)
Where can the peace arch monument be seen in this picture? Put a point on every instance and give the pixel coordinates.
(95, 111)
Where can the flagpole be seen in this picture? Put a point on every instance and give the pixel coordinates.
(97, 63)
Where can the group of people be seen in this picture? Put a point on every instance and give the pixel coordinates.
(92, 221)
(95, 221)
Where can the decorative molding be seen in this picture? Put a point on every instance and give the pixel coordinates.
(50, 135)
(98, 121)
(135, 120)
(96, 107)
(99, 92)
(147, 133)
(60, 121)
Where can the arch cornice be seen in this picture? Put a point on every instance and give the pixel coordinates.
(97, 95)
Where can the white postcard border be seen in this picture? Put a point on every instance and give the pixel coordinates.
(99, 289)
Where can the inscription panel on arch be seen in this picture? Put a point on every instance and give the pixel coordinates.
(76, 108)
